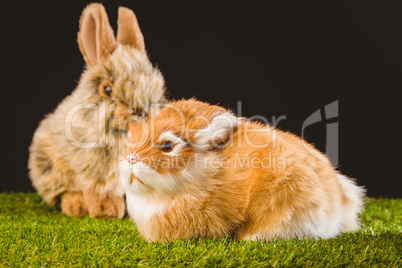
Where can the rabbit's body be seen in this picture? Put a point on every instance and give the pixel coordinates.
(75, 150)
(262, 184)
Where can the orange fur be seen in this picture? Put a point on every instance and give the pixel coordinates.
(294, 193)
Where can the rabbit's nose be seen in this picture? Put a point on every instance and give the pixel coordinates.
(132, 159)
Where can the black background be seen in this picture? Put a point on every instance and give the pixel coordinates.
(288, 58)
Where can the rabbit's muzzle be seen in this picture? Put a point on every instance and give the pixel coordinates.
(122, 111)
(131, 158)
(120, 115)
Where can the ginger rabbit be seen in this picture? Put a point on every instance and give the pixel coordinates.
(197, 171)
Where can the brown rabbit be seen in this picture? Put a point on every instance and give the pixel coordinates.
(75, 150)
(197, 171)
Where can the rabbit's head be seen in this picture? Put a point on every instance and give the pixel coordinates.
(170, 152)
(119, 73)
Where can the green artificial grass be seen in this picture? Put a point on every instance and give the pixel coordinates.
(34, 234)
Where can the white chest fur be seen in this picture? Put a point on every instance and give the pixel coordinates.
(141, 210)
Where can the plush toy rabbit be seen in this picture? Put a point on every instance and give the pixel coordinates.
(196, 171)
(75, 150)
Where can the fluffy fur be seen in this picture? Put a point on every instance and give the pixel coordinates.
(231, 178)
(75, 150)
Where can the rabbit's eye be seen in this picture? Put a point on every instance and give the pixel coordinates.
(166, 146)
(108, 90)
(105, 88)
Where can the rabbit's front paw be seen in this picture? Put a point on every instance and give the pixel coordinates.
(104, 205)
(72, 204)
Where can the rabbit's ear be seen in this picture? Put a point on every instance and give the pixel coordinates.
(217, 132)
(128, 30)
(95, 38)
